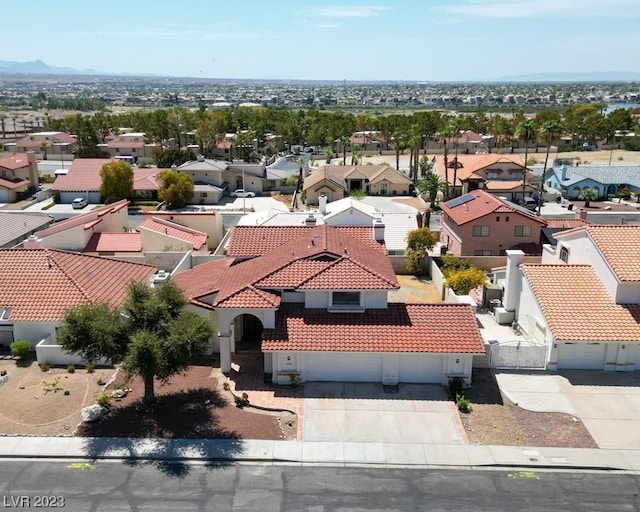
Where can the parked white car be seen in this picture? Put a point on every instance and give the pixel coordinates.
(240, 192)
(79, 202)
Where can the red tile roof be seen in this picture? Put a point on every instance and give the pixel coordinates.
(84, 174)
(619, 246)
(38, 285)
(468, 165)
(349, 272)
(85, 219)
(196, 238)
(566, 223)
(258, 240)
(14, 162)
(432, 328)
(13, 184)
(578, 307)
(307, 256)
(114, 242)
(483, 204)
(145, 178)
(125, 144)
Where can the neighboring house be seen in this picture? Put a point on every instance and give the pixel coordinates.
(213, 178)
(57, 145)
(18, 177)
(559, 225)
(18, 226)
(583, 301)
(83, 180)
(365, 141)
(284, 168)
(338, 181)
(603, 180)
(480, 224)
(501, 175)
(130, 144)
(158, 234)
(75, 233)
(209, 224)
(316, 306)
(38, 285)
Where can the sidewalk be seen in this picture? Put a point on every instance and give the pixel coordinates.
(301, 452)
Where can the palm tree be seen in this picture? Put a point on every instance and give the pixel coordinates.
(2, 121)
(43, 147)
(457, 125)
(588, 195)
(444, 134)
(355, 154)
(431, 184)
(526, 131)
(549, 132)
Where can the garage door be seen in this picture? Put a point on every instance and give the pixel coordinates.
(344, 367)
(581, 356)
(423, 368)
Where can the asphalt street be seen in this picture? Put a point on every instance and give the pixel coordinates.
(119, 486)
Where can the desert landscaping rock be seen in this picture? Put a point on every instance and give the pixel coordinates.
(92, 413)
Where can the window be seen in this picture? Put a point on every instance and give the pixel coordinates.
(204, 194)
(516, 175)
(482, 252)
(493, 175)
(506, 219)
(342, 299)
(564, 254)
(498, 218)
(522, 231)
(480, 230)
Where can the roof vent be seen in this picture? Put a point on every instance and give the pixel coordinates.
(160, 277)
(200, 158)
(310, 220)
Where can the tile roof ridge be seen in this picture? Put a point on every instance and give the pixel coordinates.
(51, 261)
(370, 270)
(177, 226)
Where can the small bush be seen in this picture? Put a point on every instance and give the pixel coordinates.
(50, 205)
(71, 368)
(456, 387)
(90, 367)
(103, 398)
(45, 367)
(100, 382)
(620, 158)
(463, 404)
(21, 349)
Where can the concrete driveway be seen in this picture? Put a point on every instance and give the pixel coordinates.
(608, 403)
(364, 412)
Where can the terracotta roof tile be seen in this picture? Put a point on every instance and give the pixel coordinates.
(13, 184)
(14, 162)
(197, 239)
(578, 307)
(84, 174)
(250, 297)
(619, 245)
(114, 242)
(83, 219)
(566, 223)
(436, 328)
(40, 284)
(348, 274)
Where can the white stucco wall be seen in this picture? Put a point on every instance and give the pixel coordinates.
(375, 299)
(350, 217)
(316, 299)
(293, 297)
(34, 332)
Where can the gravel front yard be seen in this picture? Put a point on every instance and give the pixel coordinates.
(496, 421)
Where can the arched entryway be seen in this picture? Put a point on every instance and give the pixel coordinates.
(247, 332)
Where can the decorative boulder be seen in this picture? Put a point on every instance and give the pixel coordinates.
(94, 412)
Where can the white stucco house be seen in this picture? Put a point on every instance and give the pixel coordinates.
(583, 301)
(313, 300)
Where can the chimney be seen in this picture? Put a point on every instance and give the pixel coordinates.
(310, 220)
(563, 171)
(33, 242)
(322, 201)
(513, 283)
(48, 257)
(582, 213)
(34, 175)
(378, 229)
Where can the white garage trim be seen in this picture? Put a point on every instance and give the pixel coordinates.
(581, 356)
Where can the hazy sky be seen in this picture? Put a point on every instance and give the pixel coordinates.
(317, 39)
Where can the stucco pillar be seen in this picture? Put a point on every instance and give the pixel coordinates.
(512, 285)
(225, 351)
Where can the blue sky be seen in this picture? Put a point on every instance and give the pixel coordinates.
(429, 40)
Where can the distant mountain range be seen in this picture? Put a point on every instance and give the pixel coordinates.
(37, 67)
(594, 76)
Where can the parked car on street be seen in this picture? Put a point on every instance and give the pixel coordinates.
(240, 192)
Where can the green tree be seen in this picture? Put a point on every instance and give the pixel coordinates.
(463, 281)
(444, 134)
(526, 131)
(549, 132)
(588, 195)
(419, 242)
(117, 181)
(431, 185)
(176, 188)
(152, 335)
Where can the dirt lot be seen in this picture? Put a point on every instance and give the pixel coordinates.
(27, 409)
(414, 290)
(191, 406)
(496, 421)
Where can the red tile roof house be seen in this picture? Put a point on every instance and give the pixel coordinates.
(583, 301)
(46, 144)
(18, 177)
(38, 285)
(83, 180)
(314, 299)
(131, 144)
(498, 174)
(480, 224)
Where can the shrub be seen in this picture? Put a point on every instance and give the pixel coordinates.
(456, 387)
(71, 368)
(464, 281)
(90, 367)
(463, 404)
(21, 349)
(100, 382)
(103, 398)
(50, 205)
(452, 264)
(45, 367)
